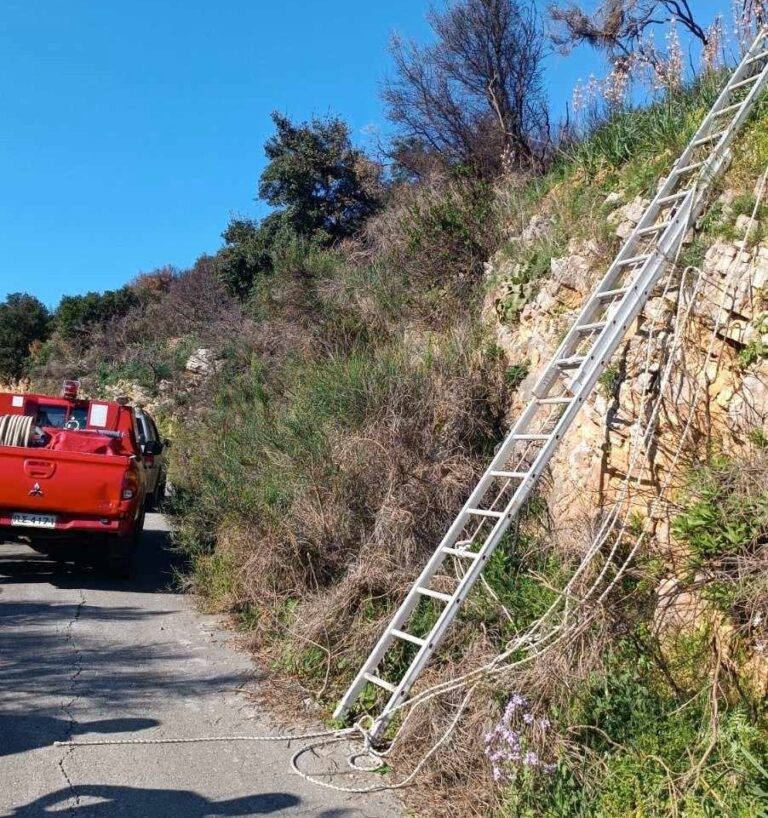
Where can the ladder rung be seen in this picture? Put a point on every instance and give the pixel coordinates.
(486, 512)
(656, 228)
(434, 594)
(729, 109)
(572, 362)
(408, 637)
(379, 682)
(745, 83)
(687, 168)
(605, 295)
(554, 401)
(633, 260)
(531, 437)
(510, 475)
(461, 552)
(591, 327)
(674, 197)
(757, 58)
(713, 137)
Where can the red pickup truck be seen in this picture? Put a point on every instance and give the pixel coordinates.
(71, 473)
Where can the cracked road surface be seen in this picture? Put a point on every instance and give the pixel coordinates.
(82, 657)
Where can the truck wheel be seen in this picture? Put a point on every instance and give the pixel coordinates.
(157, 498)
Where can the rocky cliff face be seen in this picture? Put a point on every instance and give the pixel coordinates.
(717, 384)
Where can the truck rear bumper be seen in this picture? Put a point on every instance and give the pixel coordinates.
(66, 524)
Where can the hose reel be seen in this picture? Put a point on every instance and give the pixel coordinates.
(15, 430)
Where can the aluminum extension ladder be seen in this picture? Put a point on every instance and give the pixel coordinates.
(565, 384)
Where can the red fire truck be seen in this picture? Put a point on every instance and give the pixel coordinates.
(72, 475)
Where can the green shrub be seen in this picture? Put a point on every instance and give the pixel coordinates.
(719, 519)
(517, 373)
(754, 352)
(610, 380)
(78, 315)
(648, 749)
(24, 323)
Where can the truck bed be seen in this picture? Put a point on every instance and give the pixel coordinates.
(75, 484)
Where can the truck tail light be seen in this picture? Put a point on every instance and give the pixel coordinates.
(130, 485)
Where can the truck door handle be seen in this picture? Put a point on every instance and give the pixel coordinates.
(39, 469)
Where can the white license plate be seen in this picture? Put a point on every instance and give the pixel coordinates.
(33, 520)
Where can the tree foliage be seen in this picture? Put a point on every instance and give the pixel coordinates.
(24, 320)
(475, 96)
(77, 315)
(323, 190)
(246, 253)
(323, 186)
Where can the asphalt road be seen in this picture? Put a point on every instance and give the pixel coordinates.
(82, 656)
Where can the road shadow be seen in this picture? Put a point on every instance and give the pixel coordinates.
(155, 569)
(104, 801)
(35, 660)
(18, 734)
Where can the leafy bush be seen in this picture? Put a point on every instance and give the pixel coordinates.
(24, 321)
(80, 314)
(325, 187)
(720, 519)
(517, 373)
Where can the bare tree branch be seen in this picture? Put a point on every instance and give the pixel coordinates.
(475, 96)
(620, 27)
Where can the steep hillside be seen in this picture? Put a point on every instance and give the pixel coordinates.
(328, 428)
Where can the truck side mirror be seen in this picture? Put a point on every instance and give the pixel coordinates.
(153, 448)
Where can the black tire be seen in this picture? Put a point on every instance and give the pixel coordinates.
(157, 498)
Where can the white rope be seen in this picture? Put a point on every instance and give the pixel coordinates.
(494, 668)
(116, 742)
(537, 647)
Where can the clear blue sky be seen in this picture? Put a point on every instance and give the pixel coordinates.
(131, 132)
